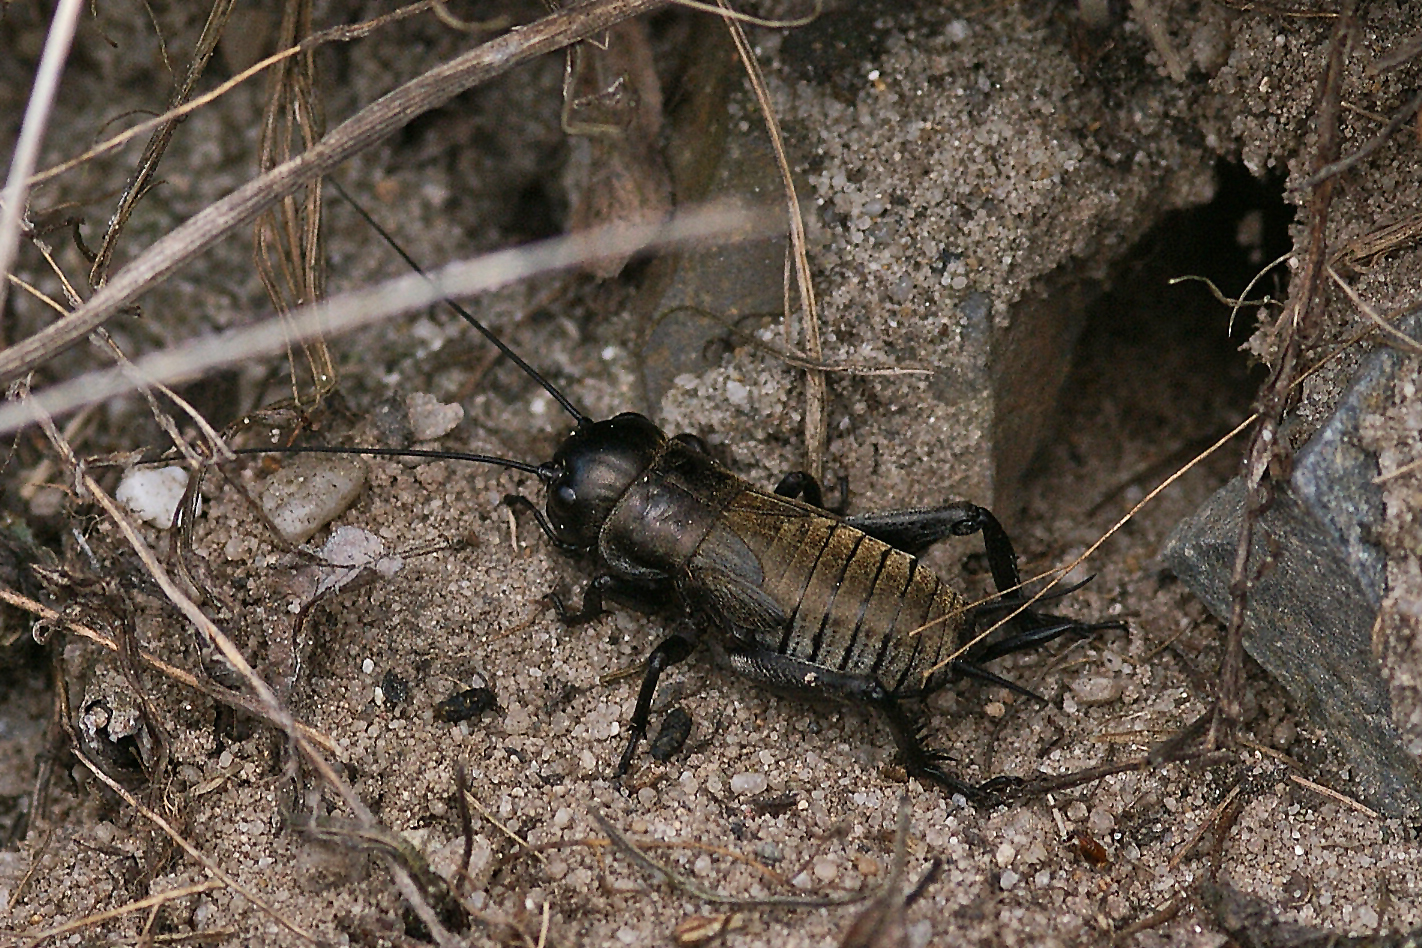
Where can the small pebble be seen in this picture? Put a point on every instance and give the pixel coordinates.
(352, 546)
(1285, 733)
(1097, 690)
(153, 494)
(825, 869)
(749, 783)
(310, 492)
(1009, 879)
(429, 418)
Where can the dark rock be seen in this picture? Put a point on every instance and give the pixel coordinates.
(1310, 615)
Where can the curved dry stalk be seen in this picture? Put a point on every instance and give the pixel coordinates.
(338, 34)
(373, 123)
(1244, 294)
(393, 297)
(816, 421)
(721, 10)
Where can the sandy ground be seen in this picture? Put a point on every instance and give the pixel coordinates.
(768, 797)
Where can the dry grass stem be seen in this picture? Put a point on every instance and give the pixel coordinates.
(696, 890)
(725, 12)
(362, 307)
(212, 868)
(143, 178)
(1400, 118)
(98, 918)
(230, 698)
(816, 423)
(22, 163)
(1335, 796)
(1394, 337)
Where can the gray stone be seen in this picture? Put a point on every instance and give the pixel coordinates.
(1310, 615)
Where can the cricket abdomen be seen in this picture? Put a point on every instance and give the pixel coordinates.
(852, 604)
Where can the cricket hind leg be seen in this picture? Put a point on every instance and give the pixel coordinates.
(926, 764)
(787, 675)
(1028, 629)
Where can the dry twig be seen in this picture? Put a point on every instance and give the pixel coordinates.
(368, 126)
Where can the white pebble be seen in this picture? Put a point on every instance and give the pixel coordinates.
(154, 495)
(749, 783)
(429, 418)
(1097, 690)
(352, 546)
(1009, 879)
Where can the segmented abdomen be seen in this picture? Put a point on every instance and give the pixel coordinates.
(853, 602)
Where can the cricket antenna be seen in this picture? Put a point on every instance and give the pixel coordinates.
(544, 472)
(486, 332)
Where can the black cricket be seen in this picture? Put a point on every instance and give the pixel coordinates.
(804, 600)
